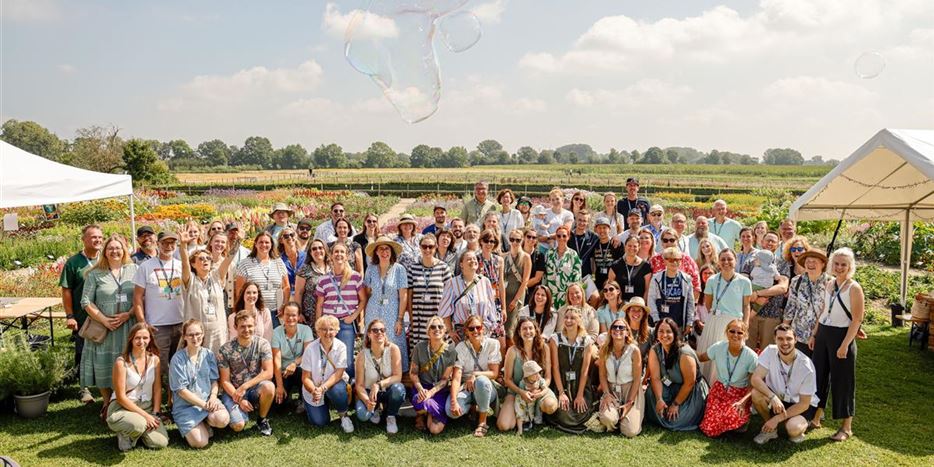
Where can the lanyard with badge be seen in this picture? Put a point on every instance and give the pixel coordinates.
(323, 361)
(168, 291)
(142, 376)
(573, 348)
(340, 294)
(265, 271)
(383, 297)
(476, 357)
(629, 287)
(602, 260)
(718, 296)
(194, 369)
(209, 308)
(242, 352)
(786, 379)
(119, 297)
(617, 364)
(665, 379)
(730, 371)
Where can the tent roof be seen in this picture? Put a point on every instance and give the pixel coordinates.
(30, 180)
(889, 174)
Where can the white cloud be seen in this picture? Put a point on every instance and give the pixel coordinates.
(816, 89)
(490, 12)
(312, 106)
(67, 69)
(255, 81)
(366, 25)
(644, 93)
(31, 10)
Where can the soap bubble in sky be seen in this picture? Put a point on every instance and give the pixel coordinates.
(392, 42)
(869, 64)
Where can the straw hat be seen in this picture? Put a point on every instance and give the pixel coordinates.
(530, 368)
(407, 219)
(383, 240)
(813, 252)
(633, 302)
(281, 207)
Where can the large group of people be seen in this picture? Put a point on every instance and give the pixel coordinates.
(513, 313)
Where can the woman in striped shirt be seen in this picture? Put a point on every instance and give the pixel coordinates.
(267, 272)
(341, 294)
(426, 280)
(470, 294)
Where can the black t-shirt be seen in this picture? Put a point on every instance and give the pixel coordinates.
(584, 246)
(624, 205)
(634, 276)
(602, 259)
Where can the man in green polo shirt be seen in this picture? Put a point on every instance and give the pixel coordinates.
(72, 283)
(476, 208)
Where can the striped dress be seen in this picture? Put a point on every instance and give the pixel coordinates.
(426, 284)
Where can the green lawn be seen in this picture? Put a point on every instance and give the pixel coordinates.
(894, 425)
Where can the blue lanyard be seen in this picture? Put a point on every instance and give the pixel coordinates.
(717, 295)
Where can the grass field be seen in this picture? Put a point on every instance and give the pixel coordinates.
(799, 177)
(893, 426)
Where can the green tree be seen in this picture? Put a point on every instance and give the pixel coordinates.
(786, 156)
(635, 157)
(330, 156)
(180, 149)
(256, 150)
(96, 148)
(613, 157)
(713, 158)
(527, 155)
(293, 156)
(33, 138)
(142, 163)
(489, 148)
(215, 152)
(653, 155)
(379, 154)
(424, 156)
(455, 157)
(547, 156)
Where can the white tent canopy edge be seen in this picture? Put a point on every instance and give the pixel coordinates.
(889, 178)
(30, 180)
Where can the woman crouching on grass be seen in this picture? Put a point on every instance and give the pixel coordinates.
(193, 378)
(430, 371)
(379, 375)
(137, 385)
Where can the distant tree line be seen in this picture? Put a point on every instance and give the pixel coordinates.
(102, 149)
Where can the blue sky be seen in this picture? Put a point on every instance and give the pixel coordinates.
(740, 76)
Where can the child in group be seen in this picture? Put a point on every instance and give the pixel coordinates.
(764, 274)
(532, 381)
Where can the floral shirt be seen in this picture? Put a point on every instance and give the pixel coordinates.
(244, 362)
(805, 301)
(560, 272)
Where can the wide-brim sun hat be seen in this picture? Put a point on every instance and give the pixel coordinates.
(407, 219)
(812, 253)
(281, 207)
(635, 302)
(384, 240)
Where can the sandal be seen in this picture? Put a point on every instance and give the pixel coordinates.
(814, 426)
(841, 436)
(481, 430)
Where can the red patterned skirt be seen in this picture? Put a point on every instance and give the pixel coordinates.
(719, 415)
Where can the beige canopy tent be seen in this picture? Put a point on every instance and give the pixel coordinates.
(889, 178)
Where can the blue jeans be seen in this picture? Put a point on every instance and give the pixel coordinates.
(335, 398)
(390, 400)
(237, 415)
(483, 395)
(346, 334)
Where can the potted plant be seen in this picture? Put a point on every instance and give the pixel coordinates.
(31, 376)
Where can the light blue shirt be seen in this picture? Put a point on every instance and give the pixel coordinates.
(728, 230)
(741, 366)
(291, 349)
(728, 294)
(606, 317)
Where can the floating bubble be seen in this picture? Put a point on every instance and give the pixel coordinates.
(869, 64)
(459, 31)
(391, 41)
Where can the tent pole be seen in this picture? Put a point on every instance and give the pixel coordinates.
(906, 243)
(132, 222)
(835, 232)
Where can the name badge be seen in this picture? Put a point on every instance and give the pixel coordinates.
(384, 301)
(664, 310)
(570, 376)
(122, 298)
(629, 289)
(209, 310)
(787, 398)
(269, 286)
(666, 381)
(604, 271)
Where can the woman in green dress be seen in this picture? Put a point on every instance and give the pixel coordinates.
(108, 299)
(678, 392)
(571, 354)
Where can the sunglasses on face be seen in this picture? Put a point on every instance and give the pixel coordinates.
(672, 260)
(317, 248)
(655, 214)
(194, 334)
(490, 241)
(736, 332)
(609, 289)
(378, 330)
(428, 247)
(530, 237)
(618, 328)
(288, 235)
(668, 240)
(304, 228)
(338, 211)
(371, 221)
(474, 328)
(515, 240)
(436, 327)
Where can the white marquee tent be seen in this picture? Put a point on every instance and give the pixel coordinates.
(30, 180)
(889, 178)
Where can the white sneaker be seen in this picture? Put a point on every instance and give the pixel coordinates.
(85, 396)
(797, 439)
(763, 437)
(391, 427)
(346, 424)
(375, 418)
(124, 443)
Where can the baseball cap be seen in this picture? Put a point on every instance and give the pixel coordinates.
(144, 230)
(167, 236)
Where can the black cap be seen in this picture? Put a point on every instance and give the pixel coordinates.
(635, 212)
(304, 221)
(144, 230)
(632, 180)
(524, 200)
(231, 226)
